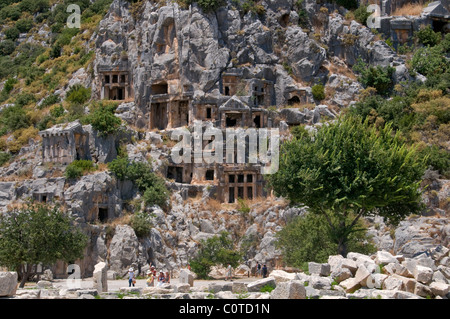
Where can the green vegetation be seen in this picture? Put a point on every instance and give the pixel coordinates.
(77, 168)
(37, 233)
(103, 119)
(350, 168)
(380, 78)
(141, 224)
(141, 174)
(217, 250)
(308, 238)
(318, 92)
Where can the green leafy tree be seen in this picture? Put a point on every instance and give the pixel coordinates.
(38, 234)
(350, 168)
(214, 251)
(308, 238)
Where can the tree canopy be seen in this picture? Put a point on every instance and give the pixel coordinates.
(350, 168)
(38, 234)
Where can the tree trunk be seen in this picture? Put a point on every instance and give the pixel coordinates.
(25, 275)
(342, 248)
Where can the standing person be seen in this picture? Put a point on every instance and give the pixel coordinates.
(258, 269)
(264, 271)
(229, 272)
(131, 277)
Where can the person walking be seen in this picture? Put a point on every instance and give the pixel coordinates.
(229, 272)
(131, 277)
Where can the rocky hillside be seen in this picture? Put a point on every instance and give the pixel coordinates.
(53, 75)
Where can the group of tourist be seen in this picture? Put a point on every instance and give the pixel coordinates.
(152, 276)
(261, 271)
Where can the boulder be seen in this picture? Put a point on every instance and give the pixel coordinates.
(8, 283)
(423, 274)
(44, 284)
(319, 282)
(282, 276)
(384, 257)
(319, 269)
(186, 277)
(289, 290)
(258, 284)
(439, 289)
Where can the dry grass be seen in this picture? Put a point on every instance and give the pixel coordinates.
(410, 9)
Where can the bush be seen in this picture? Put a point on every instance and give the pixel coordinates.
(141, 224)
(9, 85)
(4, 157)
(78, 167)
(318, 92)
(103, 119)
(361, 14)
(24, 25)
(49, 100)
(380, 78)
(217, 250)
(11, 12)
(34, 6)
(119, 167)
(151, 185)
(429, 61)
(12, 33)
(14, 118)
(427, 36)
(7, 47)
(156, 194)
(78, 94)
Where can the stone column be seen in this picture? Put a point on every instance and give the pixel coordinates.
(101, 277)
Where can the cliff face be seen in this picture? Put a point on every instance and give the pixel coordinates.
(191, 51)
(149, 53)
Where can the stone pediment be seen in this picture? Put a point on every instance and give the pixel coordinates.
(436, 10)
(234, 103)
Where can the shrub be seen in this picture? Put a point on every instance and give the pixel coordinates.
(318, 91)
(210, 5)
(9, 85)
(14, 118)
(78, 167)
(49, 100)
(156, 194)
(78, 94)
(380, 78)
(103, 119)
(427, 36)
(119, 167)
(12, 33)
(4, 157)
(7, 47)
(141, 224)
(429, 60)
(24, 99)
(57, 111)
(361, 14)
(11, 12)
(24, 25)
